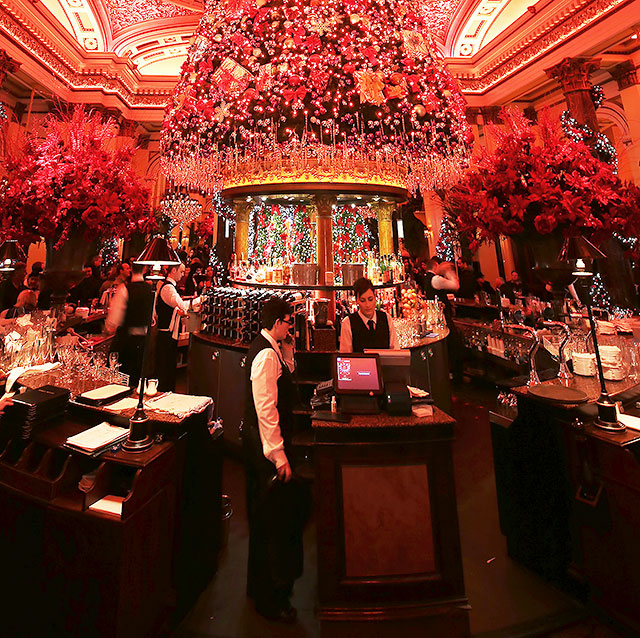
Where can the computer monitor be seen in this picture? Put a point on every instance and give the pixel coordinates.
(357, 374)
(395, 365)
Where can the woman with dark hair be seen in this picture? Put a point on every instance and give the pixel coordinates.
(367, 328)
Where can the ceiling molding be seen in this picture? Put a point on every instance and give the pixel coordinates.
(479, 78)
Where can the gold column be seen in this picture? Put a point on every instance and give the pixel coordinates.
(242, 210)
(324, 203)
(385, 210)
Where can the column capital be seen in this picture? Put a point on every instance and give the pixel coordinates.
(242, 209)
(7, 65)
(472, 113)
(384, 210)
(573, 73)
(625, 74)
(324, 203)
(491, 114)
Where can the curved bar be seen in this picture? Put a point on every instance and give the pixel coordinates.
(255, 284)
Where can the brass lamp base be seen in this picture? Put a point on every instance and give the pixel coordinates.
(138, 439)
(608, 415)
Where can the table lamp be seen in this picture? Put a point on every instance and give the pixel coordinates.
(10, 254)
(156, 253)
(580, 253)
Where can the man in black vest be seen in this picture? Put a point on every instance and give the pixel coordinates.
(438, 282)
(170, 307)
(277, 502)
(128, 317)
(367, 328)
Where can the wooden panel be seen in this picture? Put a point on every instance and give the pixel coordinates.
(387, 521)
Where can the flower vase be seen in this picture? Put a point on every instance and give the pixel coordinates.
(63, 268)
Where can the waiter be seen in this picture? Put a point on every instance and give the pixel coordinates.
(170, 308)
(277, 503)
(439, 280)
(128, 317)
(367, 328)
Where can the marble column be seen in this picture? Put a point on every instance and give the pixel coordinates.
(573, 76)
(242, 210)
(384, 211)
(324, 203)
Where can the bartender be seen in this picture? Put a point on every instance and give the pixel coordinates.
(170, 308)
(368, 328)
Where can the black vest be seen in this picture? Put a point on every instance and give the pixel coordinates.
(163, 310)
(376, 339)
(140, 300)
(286, 393)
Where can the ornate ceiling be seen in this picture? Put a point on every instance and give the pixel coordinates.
(130, 51)
(154, 34)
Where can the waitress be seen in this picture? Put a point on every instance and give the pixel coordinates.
(368, 328)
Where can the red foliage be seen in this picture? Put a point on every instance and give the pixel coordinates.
(73, 179)
(530, 185)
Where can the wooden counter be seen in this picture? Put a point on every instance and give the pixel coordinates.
(388, 542)
(216, 369)
(73, 571)
(568, 494)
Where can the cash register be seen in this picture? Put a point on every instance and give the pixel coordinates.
(357, 381)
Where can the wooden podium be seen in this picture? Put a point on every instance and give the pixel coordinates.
(389, 556)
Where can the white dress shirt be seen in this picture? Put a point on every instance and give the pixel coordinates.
(448, 282)
(117, 309)
(169, 294)
(266, 369)
(346, 336)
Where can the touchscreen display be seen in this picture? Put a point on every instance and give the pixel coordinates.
(357, 374)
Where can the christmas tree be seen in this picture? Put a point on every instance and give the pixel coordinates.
(351, 237)
(302, 240)
(272, 89)
(448, 241)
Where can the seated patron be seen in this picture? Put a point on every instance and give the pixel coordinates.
(25, 304)
(368, 327)
(12, 287)
(86, 289)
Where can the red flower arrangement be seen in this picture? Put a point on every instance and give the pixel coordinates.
(543, 186)
(73, 180)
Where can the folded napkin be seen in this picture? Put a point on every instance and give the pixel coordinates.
(629, 421)
(417, 392)
(179, 405)
(16, 373)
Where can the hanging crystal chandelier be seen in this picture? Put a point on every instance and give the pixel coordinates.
(341, 92)
(180, 208)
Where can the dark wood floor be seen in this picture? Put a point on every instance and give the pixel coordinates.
(506, 599)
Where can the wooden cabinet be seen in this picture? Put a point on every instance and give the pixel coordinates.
(389, 555)
(74, 571)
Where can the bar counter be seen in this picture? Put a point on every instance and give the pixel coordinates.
(73, 571)
(216, 369)
(568, 495)
(388, 540)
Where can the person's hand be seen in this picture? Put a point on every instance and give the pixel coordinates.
(284, 473)
(6, 400)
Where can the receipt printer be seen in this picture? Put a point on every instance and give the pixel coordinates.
(397, 399)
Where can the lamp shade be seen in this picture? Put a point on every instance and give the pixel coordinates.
(578, 247)
(10, 254)
(158, 252)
